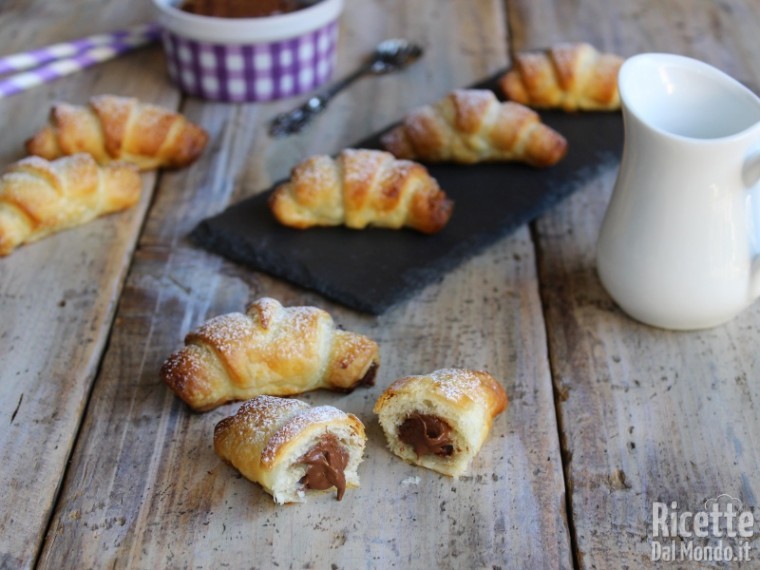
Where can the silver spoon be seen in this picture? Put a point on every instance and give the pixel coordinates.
(387, 57)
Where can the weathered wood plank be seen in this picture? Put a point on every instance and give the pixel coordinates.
(145, 488)
(647, 415)
(58, 296)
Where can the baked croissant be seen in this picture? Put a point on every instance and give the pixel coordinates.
(358, 189)
(471, 125)
(268, 350)
(114, 128)
(38, 197)
(440, 420)
(292, 449)
(567, 76)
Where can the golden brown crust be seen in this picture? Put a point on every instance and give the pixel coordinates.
(38, 197)
(114, 128)
(358, 189)
(252, 421)
(269, 350)
(569, 76)
(459, 386)
(471, 125)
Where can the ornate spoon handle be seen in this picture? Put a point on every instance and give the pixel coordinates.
(295, 120)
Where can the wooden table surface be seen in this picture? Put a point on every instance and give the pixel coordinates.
(102, 466)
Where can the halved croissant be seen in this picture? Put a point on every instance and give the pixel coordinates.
(361, 188)
(268, 350)
(471, 125)
(291, 448)
(114, 128)
(38, 197)
(440, 420)
(570, 76)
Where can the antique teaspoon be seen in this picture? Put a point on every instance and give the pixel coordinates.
(389, 56)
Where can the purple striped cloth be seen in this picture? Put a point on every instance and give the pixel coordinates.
(254, 72)
(37, 57)
(56, 61)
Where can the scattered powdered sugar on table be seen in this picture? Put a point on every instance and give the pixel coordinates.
(411, 481)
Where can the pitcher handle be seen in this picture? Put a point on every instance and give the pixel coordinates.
(751, 179)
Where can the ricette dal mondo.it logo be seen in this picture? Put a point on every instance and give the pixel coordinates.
(721, 532)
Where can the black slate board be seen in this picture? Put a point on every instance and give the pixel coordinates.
(371, 270)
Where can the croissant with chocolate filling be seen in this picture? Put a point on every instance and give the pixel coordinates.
(292, 449)
(567, 76)
(268, 350)
(440, 420)
(114, 128)
(358, 189)
(471, 125)
(38, 198)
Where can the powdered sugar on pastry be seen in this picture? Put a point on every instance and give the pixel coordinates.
(295, 425)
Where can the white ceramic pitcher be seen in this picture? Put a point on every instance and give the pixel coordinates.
(680, 243)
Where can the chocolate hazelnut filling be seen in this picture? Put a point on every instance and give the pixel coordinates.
(369, 377)
(427, 434)
(241, 8)
(367, 380)
(326, 463)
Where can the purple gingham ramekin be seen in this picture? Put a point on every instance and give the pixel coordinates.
(266, 59)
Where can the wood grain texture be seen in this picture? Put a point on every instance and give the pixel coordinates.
(58, 296)
(145, 489)
(646, 415)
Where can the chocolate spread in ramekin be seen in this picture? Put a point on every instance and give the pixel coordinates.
(241, 8)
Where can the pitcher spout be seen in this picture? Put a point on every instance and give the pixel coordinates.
(686, 98)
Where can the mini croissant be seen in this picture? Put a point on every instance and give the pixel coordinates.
(567, 76)
(38, 197)
(268, 350)
(358, 189)
(114, 128)
(471, 125)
